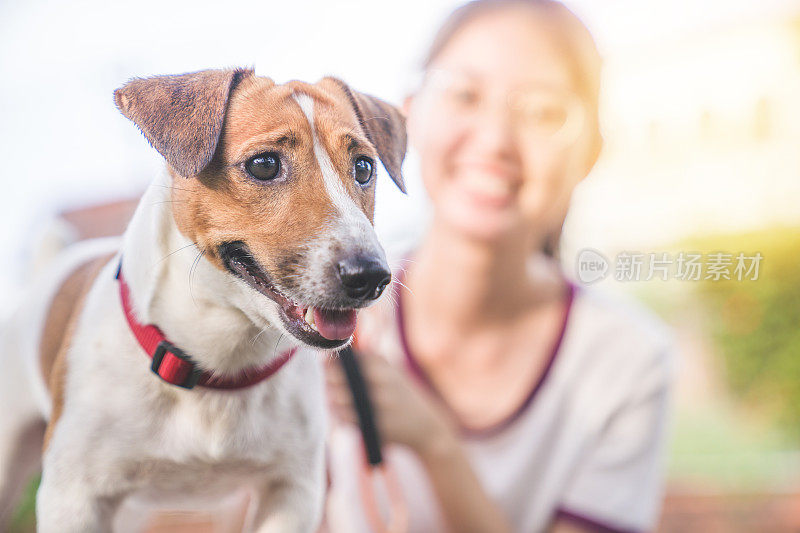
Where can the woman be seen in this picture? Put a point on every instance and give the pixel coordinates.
(507, 398)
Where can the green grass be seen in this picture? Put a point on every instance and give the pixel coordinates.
(715, 447)
(24, 520)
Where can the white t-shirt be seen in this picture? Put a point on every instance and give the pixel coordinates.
(586, 444)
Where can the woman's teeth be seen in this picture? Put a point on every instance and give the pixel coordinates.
(309, 317)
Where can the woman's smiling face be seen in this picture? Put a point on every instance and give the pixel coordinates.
(501, 132)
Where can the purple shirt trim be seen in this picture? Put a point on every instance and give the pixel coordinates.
(419, 372)
(590, 523)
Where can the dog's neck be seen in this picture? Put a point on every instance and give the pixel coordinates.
(175, 288)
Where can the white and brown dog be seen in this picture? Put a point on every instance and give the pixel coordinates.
(163, 366)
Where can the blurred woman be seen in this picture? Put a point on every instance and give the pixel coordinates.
(508, 399)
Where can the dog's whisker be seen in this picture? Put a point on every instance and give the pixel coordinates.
(376, 117)
(392, 300)
(404, 286)
(275, 350)
(171, 187)
(261, 332)
(191, 271)
(172, 253)
(331, 355)
(401, 273)
(168, 202)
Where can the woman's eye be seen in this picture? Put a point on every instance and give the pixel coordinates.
(550, 116)
(264, 167)
(463, 96)
(362, 170)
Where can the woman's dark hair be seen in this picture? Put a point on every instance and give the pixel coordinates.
(568, 33)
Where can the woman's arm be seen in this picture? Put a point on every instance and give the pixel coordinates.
(463, 501)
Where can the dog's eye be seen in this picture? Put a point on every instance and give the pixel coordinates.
(362, 170)
(264, 167)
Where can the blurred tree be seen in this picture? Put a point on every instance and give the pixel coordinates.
(756, 324)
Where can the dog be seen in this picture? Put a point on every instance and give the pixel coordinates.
(165, 364)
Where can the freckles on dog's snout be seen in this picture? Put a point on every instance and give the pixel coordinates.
(363, 277)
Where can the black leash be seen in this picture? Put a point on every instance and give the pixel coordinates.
(374, 468)
(363, 406)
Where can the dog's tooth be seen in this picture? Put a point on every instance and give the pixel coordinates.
(310, 317)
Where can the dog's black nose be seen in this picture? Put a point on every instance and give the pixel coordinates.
(363, 278)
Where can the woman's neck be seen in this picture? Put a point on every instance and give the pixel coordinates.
(479, 283)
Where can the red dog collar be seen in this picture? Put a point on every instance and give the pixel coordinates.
(174, 366)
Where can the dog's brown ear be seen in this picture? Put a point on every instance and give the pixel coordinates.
(181, 116)
(384, 126)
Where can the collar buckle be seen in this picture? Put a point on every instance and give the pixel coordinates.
(172, 365)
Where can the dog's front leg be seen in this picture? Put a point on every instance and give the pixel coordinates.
(289, 506)
(66, 503)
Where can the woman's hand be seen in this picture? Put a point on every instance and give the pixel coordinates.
(405, 413)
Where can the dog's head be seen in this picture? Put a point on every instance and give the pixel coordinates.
(276, 185)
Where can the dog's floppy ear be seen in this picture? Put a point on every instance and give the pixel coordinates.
(385, 128)
(181, 116)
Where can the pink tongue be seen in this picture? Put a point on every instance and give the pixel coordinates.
(335, 325)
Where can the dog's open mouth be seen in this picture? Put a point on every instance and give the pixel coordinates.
(322, 328)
